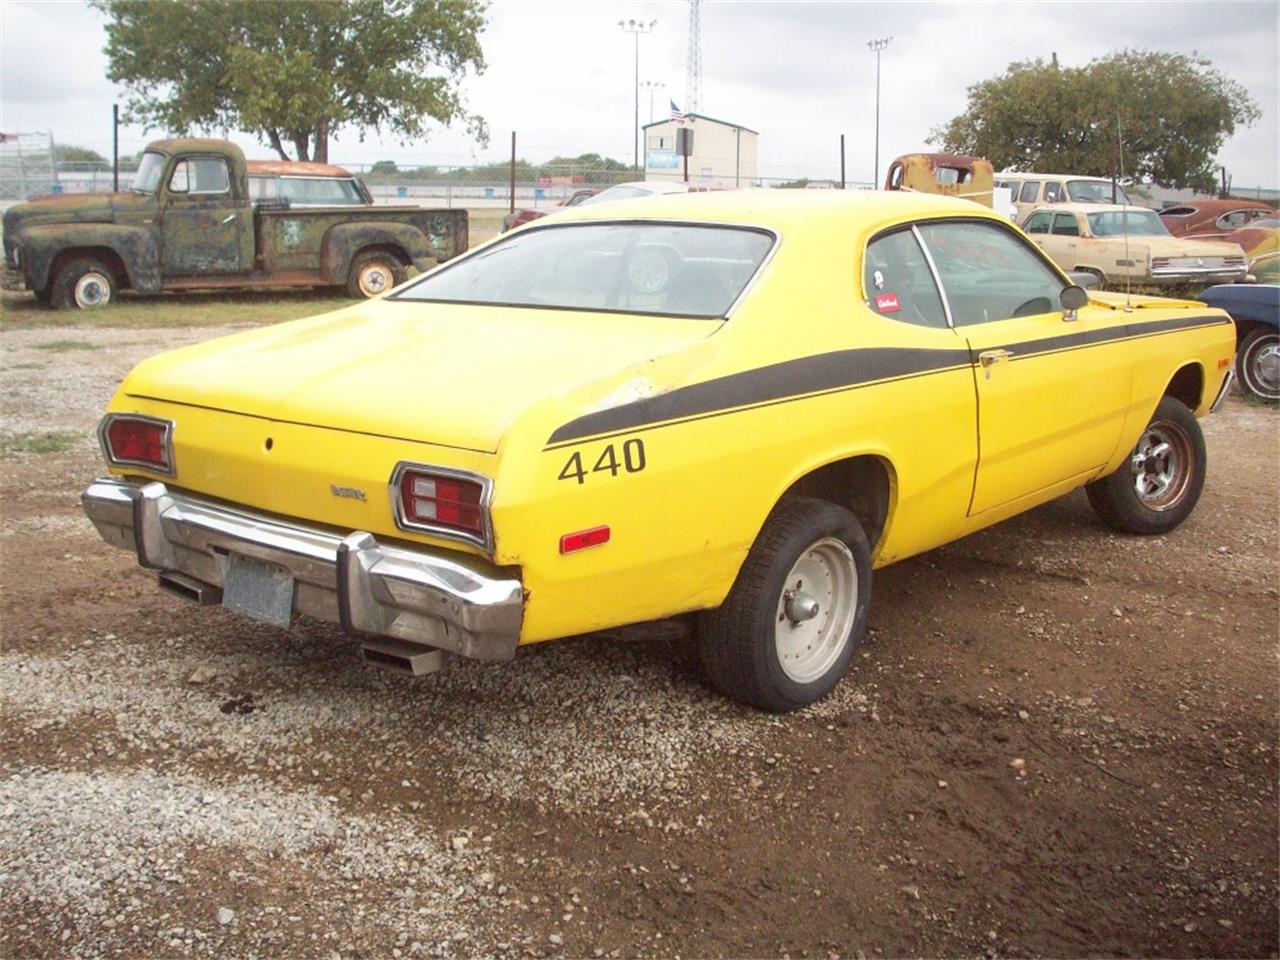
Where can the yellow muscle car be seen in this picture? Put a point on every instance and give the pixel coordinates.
(723, 409)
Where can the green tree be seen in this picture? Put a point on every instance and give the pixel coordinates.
(1169, 113)
(81, 158)
(295, 71)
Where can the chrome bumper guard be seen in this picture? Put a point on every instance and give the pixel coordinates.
(367, 587)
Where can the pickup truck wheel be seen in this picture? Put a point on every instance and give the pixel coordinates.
(44, 294)
(787, 632)
(1158, 486)
(84, 284)
(373, 274)
(1258, 363)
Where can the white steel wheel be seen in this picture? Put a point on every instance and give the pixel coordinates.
(788, 630)
(816, 610)
(93, 289)
(375, 278)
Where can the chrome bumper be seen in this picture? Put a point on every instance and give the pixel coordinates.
(1197, 274)
(367, 587)
(1223, 390)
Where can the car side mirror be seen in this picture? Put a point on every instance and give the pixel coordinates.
(1072, 299)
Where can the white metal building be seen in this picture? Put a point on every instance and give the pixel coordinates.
(724, 154)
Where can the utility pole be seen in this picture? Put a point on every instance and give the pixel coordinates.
(637, 27)
(876, 47)
(115, 148)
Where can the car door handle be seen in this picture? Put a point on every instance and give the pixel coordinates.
(228, 218)
(988, 357)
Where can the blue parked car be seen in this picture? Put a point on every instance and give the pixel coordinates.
(1255, 307)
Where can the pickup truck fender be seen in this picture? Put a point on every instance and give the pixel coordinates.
(344, 240)
(135, 249)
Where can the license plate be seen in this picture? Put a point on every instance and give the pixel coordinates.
(260, 590)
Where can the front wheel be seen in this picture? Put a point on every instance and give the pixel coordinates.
(1258, 363)
(84, 283)
(787, 632)
(1159, 485)
(373, 274)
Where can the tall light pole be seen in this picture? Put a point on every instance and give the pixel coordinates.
(652, 85)
(637, 27)
(876, 46)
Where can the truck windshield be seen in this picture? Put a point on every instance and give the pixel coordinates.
(1137, 223)
(150, 169)
(668, 269)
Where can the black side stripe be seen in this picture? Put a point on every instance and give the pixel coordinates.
(825, 373)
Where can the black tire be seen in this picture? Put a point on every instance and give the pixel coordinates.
(83, 283)
(1171, 481)
(44, 294)
(373, 274)
(1256, 363)
(739, 643)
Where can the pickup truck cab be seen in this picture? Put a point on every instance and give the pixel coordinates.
(189, 221)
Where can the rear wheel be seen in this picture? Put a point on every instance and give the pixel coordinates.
(787, 632)
(373, 274)
(1258, 363)
(1160, 483)
(84, 283)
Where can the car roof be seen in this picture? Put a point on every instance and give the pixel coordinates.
(780, 209)
(1018, 175)
(295, 168)
(1089, 208)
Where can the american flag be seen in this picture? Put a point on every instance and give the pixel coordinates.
(676, 113)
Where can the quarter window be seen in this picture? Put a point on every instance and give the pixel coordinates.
(1037, 223)
(200, 175)
(1065, 225)
(1029, 191)
(1052, 193)
(988, 273)
(898, 282)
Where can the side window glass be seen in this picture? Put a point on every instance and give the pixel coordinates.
(200, 175)
(898, 282)
(1029, 190)
(988, 273)
(1053, 193)
(1037, 223)
(1065, 225)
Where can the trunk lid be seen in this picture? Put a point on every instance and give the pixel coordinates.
(446, 374)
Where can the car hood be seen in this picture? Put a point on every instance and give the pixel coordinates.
(82, 208)
(1178, 247)
(450, 374)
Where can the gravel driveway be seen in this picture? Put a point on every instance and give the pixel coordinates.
(1056, 740)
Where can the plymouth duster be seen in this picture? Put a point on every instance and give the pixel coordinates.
(719, 410)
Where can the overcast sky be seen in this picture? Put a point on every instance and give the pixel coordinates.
(561, 74)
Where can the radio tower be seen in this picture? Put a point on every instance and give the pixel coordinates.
(693, 76)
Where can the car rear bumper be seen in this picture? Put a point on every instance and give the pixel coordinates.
(369, 588)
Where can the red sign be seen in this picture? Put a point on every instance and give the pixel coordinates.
(544, 181)
(888, 303)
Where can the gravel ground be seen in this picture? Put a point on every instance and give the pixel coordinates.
(1055, 741)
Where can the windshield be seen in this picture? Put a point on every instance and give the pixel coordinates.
(1137, 223)
(1095, 191)
(682, 270)
(150, 169)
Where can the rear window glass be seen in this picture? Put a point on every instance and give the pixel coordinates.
(655, 268)
(898, 282)
(319, 191)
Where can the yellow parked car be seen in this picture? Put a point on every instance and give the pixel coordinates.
(723, 408)
(1120, 245)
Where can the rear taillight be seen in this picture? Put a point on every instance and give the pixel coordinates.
(448, 502)
(131, 440)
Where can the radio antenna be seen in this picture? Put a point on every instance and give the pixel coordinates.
(1124, 221)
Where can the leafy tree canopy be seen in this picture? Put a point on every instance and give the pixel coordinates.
(295, 71)
(1173, 112)
(79, 158)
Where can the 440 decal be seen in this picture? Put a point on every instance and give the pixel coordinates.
(630, 459)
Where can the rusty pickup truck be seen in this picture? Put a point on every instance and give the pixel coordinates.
(189, 222)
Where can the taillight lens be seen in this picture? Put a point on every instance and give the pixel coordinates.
(451, 503)
(136, 441)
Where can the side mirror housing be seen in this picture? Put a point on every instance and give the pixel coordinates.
(1073, 298)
